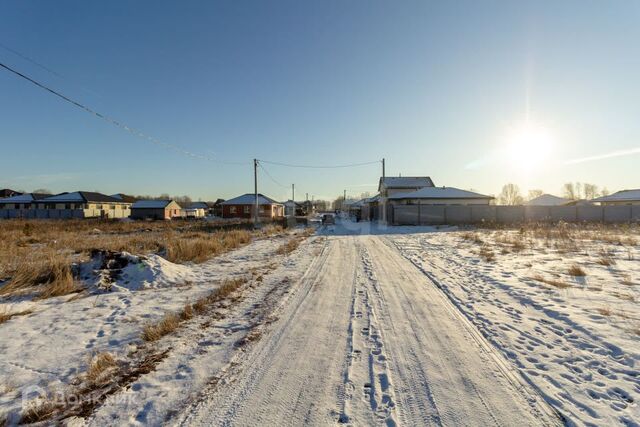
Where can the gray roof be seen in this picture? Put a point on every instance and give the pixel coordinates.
(81, 197)
(24, 198)
(548, 200)
(405, 182)
(250, 199)
(198, 205)
(151, 204)
(439, 193)
(621, 196)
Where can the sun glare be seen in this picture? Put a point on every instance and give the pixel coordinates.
(529, 146)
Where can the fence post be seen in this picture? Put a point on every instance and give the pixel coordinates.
(419, 213)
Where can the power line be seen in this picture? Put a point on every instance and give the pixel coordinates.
(116, 122)
(272, 178)
(320, 166)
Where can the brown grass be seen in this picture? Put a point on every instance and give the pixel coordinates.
(553, 282)
(487, 254)
(289, 246)
(171, 321)
(472, 237)
(604, 311)
(7, 315)
(626, 280)
(36, 256)
(576, 271)
(100, 368)
(167, 324)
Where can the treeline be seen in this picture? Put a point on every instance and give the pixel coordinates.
(511, 194)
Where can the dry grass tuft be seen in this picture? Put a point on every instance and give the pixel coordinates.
(472, 237)
(576, 271)
(7, 315)
(553, 282)
(604, 311)
(187, 312)
(487, 254)
(199, 248)
(288, 247)
(50, 276)
(166, 325)
(100, 369)
(626, 280)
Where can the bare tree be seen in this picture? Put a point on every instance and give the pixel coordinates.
(42, 191)
(510, 195)
(571, 191)
(590, 191)
(534, 193)
(604, 192)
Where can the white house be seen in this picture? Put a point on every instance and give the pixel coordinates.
(439, 196)
(624, 197)
(390, 185)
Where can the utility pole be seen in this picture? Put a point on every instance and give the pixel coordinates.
(383, 199)
(344, 200)
(293, 199)
(255, 191)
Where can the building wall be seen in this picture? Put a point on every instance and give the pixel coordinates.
(434, 214)
(440, 202)
(246, 211)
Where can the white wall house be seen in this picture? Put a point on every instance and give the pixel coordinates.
(624, 197)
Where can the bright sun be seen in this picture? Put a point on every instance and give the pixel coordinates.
(528, 146)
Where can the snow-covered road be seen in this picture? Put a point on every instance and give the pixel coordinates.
(367, 338)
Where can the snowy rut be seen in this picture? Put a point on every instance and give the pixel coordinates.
(368, 339)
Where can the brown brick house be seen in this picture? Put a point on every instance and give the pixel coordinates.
(243, 207)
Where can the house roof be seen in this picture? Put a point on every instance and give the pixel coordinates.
(621, 196)
(151, 204)
(124, 198)
(548, 200)
(81, 197)
(250, 199)
(405, 182)
(24, 198)
(198, 205)
(7, 192)
(439, 193)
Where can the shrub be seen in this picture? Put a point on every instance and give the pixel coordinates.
(577, 271)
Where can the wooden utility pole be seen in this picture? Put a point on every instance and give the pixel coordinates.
(293, 199)
(255, 191)
(383, 199)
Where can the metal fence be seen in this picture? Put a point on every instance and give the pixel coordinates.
(453, 214)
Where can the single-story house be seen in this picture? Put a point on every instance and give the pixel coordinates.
(439, 196)
(548, 200)
(155, 209)
(624, 197)
(243, 207)
(84, 204)
(390, 185)
(300, 208)
(196, 210)
(6, 192)
(20, 206)
(216, 209)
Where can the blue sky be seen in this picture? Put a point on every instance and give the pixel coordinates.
(436, 89)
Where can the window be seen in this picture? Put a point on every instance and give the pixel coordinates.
(232, 209)
(246, 209)
(67, 205)
(113, 206)
(78, 206)
(98, 206)
(16, 206)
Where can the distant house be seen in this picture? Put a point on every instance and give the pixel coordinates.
(155, 209)
(216, 209)
(440, 196)
(83, 204)
(391, 185)
(624, 197)
(292, 208)
(243, 207)
(196, 210)
(5, 192)
(548, 200)
(20, 206)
